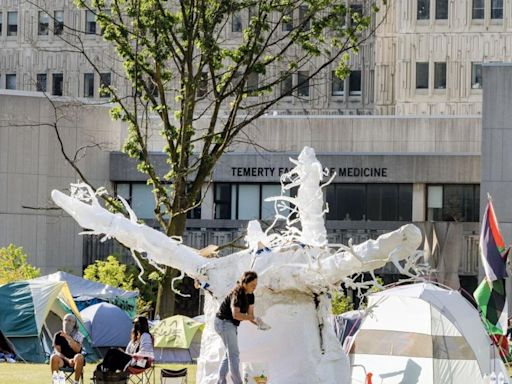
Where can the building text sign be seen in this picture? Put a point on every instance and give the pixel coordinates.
(278, 171)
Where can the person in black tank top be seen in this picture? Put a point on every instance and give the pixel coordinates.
(238, 306)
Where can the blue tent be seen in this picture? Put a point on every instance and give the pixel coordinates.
(108, 325)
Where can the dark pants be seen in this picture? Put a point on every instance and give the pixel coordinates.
(114, 360)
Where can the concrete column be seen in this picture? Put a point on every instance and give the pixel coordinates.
(496, 159)
(418, 202)
(207, 208)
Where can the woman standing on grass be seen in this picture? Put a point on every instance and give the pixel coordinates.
(236, 307)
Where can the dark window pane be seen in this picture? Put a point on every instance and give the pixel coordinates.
(1, 24)
(303, 83)
(12, 23)
(10, 81)
(90, 23)
(223, 201)
(337, 85)
(286, 85)
(236, 22)
(58, 22)
(57, 84)
(287, 22)
(88, 84)
(202, 88)
(496, 9)
(252, 82)
(351, 200)
(421, 75)
(356, 12)
(354, 83)
(382, 202)
(441, 9)
(105, 81)
(405, 202)
(440, 75)
(478, 10)
(44, 23)
(304, 20)
(459, 203)
(423, 10)
(476, 75)
(41, 82)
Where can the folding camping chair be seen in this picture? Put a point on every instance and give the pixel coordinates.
(168, 376)
(69, 373)
(144, 375)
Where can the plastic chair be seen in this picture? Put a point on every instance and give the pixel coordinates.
(168, 376)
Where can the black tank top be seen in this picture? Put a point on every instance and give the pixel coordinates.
(242, 300)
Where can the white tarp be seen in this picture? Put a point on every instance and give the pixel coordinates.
(423, 334)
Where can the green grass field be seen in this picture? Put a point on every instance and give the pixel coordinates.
(21, 373)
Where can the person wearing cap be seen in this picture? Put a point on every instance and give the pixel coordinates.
(138, 353)
(67, 346)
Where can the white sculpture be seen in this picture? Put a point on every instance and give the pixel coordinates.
(297, 269)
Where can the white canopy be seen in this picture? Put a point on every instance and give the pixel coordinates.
(422, 333)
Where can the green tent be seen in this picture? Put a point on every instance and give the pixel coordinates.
(177, 339)
(32, 313)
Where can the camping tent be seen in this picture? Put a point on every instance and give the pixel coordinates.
(86, 292)
(177, 339)
(32, 313)
(5, 345)
(421, 333)
(108, 325)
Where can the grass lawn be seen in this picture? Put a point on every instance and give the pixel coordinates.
(21, 373)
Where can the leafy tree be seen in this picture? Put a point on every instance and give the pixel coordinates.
(110, 272)
(341, 303)
(203, 84)
(14, 266)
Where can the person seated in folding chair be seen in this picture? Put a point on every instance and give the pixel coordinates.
(139, 352)
(68, 347)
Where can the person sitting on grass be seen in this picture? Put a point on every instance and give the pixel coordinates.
(139, 352)
(68, 347)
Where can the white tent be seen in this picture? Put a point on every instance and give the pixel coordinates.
(423, 334)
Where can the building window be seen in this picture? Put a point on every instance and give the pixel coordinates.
(44, 24)
(245, 201)
(423, 12)
(376, 202)
(105, 82)
(10, 81)
(58, 22)
(354, 83)
(496, 9)
(441, 9)
(452, 202)
(478, 11)
(440, 75)
(236, 22)
(90, 23)
(337, 85)
(202, 87)
(304, 17)
(1, 23)
(252, 82)
(88, 84)
(355, 9)
(476, 75)
(142, 201)
(286, 84)
(41, 80)
(57, 84)
(12, 23)
(421, 75)
(303, 84)
(287, 22)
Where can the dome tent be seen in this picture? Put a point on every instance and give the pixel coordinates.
(423, 334)
(32, 312)
(177, 339)
(108, 325)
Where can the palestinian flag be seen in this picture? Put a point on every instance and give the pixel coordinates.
(492, 247)
(492, 301)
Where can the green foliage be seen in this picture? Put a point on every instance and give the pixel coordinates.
(110, 272)
(14, 266)
(341, 303)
